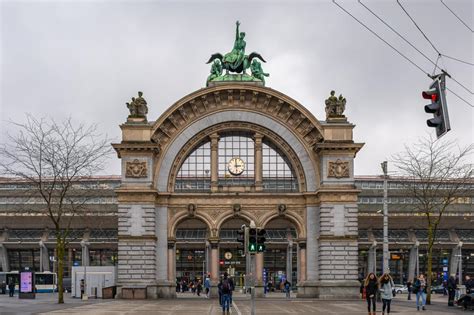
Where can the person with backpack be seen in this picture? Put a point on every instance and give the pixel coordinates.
(226, 291)
(386, 289)
(371, 287)
(451, 290)
(287, 287)
(419, 288)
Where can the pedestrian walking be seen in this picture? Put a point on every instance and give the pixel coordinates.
(469, 284)
(4, 287)
(451, 290)
(207, 285)
(11, 288)
(82, 287)
(371, 287)
(226, 290)
(287, 287)
(419, 288)
(232, 288)
(409, 288)
(199, 288)
(386, 289)
(219, 291)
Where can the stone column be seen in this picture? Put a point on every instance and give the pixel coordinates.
(302, 262)
(208, 257)
(4, 258)
(289, 262)
(214, 266)
(44, 257)
(258, 162)
(412, 263)
(371, 259)
(165, 287)
(172, 261)
(214, 161)
(312, 225)
(69, 260)
(454, 261)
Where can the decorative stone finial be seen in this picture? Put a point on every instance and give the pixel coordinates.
(335, 107)
(138, 108)
(237, 61)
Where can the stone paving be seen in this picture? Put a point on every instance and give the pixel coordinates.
(189, 304)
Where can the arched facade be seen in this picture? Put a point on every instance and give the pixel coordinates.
(289, 167)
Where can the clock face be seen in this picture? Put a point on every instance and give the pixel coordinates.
(236, 166)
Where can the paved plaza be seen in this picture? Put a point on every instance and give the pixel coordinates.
(189, 304)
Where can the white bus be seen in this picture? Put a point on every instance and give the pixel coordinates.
(44, 281)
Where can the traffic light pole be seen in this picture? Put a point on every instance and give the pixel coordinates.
(385, 218)
(253, 277)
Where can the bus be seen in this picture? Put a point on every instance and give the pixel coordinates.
(45, 282)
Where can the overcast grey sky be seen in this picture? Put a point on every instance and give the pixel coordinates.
(87, 58)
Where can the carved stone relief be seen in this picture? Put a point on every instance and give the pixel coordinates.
(136, 169)
(338, 169)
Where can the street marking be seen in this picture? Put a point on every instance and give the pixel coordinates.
(236, 308)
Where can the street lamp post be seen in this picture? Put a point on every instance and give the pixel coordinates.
(84, 263)
(460, 262)
(385, 218)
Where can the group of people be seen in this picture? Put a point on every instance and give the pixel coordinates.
(372, 286)
(196, 286)
(11, 288)
(385, 286)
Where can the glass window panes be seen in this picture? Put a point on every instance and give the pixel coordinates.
(236, 144)
(277, 173)
(195, 172)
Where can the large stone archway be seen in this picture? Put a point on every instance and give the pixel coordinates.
(322, 206)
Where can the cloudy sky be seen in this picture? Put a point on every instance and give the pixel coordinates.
(85, 59)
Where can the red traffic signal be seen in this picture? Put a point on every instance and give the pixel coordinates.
(438, 106)
(433, 95)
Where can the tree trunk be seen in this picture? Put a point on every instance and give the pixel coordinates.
(430, 265)
(60, 249)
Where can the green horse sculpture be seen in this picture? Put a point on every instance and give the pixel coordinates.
(236, 60)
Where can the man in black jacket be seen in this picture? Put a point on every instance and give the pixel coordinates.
(451, 290)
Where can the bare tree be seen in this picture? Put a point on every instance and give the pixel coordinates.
(438, 173)
(51, 156)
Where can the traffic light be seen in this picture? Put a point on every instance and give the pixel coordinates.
(241, 237)
(261, 240)
(252, 240)
(438, 106)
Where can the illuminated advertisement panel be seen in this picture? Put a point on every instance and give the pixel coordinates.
(26, 282)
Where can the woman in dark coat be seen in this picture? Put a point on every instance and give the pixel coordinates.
(371, 288)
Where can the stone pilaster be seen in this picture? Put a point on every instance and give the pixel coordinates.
(214, 161)
(258, 162)
(172, 260)
(214, 266)
(338, 251)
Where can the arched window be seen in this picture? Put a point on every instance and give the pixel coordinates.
(277, 173)
(236, 165)
(195, 172)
